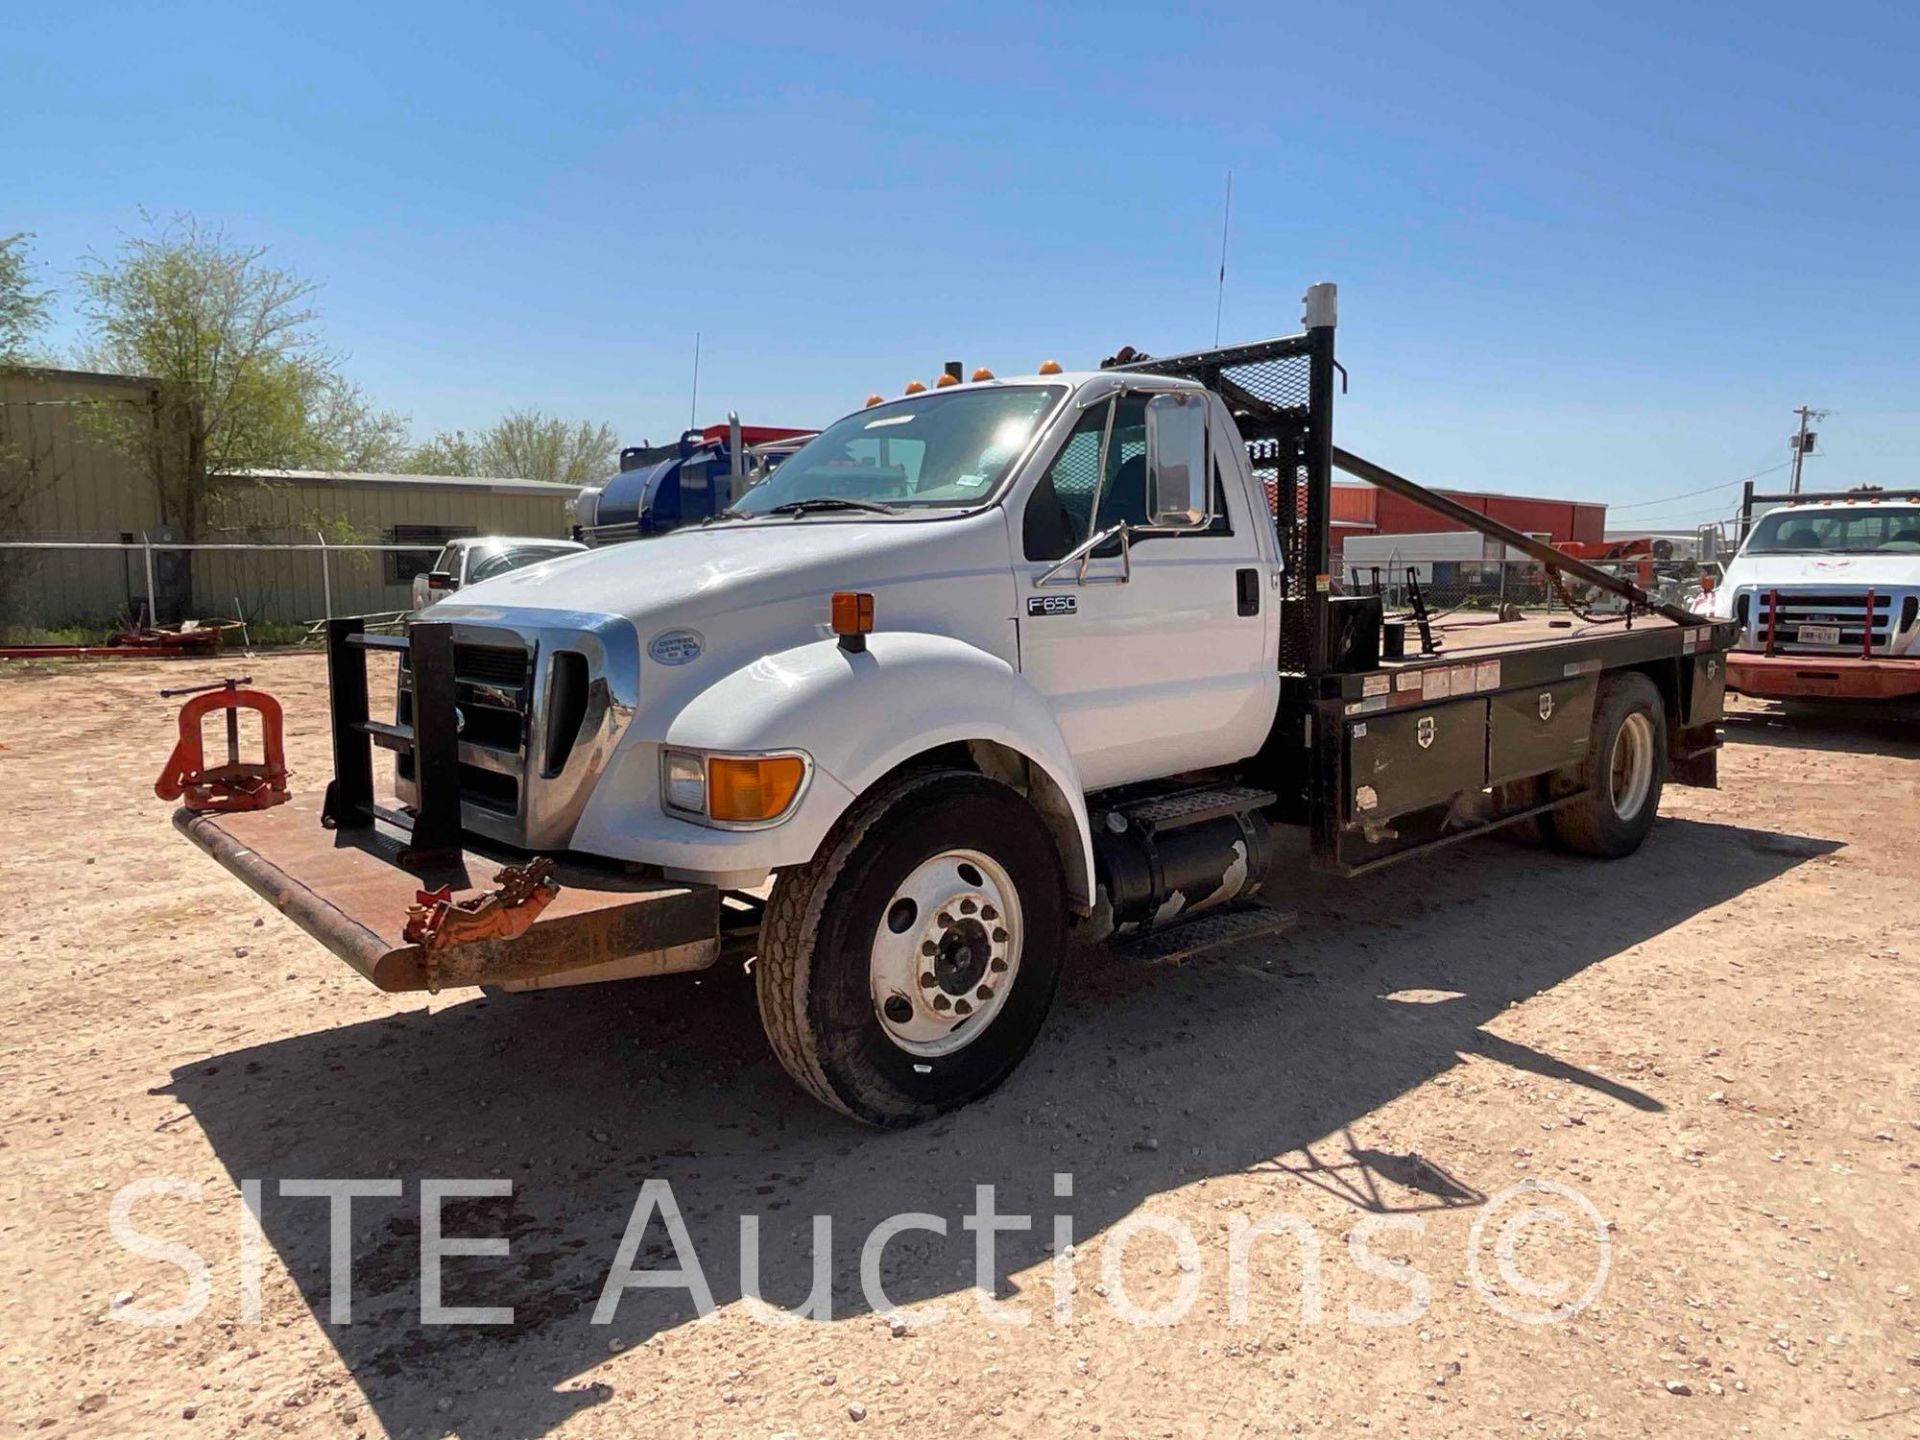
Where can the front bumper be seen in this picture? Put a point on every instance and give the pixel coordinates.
(1835, 677)
(350, 889)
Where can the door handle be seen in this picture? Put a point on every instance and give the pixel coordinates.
(1247, 587)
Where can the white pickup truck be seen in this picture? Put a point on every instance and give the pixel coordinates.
(979, 668)
(1826, 591)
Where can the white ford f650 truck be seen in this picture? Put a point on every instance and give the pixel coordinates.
(979, 669)
(1826, 591)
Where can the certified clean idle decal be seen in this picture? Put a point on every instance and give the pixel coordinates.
(1053, 605)
(676, 647)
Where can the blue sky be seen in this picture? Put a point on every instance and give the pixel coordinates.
(1597, 253)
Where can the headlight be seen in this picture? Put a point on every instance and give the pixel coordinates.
(686, 782)
(732, 789)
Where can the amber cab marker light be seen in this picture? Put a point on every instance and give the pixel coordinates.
(983, 373)
(874, 399)
(1049, 367)
(852, 619)
(914, 387)
(946, 380)
(748, 788)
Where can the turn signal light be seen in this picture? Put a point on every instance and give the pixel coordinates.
(749, 788)
(1049, 367)
(873, 400)
(852, 612)
(914, 387)
(983, 373)
(1706, 584)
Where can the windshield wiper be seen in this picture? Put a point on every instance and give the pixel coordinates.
(727, 514)
(830, 502)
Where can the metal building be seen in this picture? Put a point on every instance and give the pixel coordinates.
(62, 479)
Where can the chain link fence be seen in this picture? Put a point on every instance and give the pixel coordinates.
(81, 589)
(1489, 586)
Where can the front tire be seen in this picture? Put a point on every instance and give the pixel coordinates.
(908, 969)
(1626, 771)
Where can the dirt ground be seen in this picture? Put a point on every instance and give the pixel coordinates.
(1712, 1043)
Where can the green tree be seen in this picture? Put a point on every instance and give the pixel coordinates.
(23, 308)
(25, 462)
(245, 383)
(525, 445)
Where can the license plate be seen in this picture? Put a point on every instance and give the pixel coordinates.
(1819, 635)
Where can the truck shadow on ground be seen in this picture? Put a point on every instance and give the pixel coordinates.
(1146, 1079)
(1891, 732)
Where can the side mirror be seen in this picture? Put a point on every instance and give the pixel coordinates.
(1179, 479)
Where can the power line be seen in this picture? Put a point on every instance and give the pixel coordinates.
(1704, 490)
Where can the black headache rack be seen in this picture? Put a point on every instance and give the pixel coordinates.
(431, 738)
(1385, 758)
(1281, 395)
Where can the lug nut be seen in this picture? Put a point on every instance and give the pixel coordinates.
(985, 992)
(998, 966)
(927, 947)
(967, 907)
(946, 920)
(961, 1007)
(987, 912)
(928, 980)
(999, 936)
(940, 1002)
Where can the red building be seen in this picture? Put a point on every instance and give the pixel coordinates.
(1363, 510)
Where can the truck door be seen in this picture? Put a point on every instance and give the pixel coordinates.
(1156, 660)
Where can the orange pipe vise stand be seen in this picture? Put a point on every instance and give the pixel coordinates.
(238, 784)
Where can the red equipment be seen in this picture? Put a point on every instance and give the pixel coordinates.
(238, 784)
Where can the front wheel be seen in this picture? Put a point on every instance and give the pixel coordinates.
(908, 969)
(1626, 771)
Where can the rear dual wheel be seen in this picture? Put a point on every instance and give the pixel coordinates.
(1626, 771)
(908, 969)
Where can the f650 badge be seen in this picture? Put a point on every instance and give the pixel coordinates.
(1053, 605)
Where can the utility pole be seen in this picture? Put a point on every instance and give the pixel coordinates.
(1803, 442)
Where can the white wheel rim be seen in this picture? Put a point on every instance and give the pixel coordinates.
(946, 953)
(1630, 773)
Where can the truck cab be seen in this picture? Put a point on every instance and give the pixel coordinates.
(1826, 591)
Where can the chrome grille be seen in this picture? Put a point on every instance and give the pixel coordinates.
(542, 706)
(1777, 614)
(493, 686)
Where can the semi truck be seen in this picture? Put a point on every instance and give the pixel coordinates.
(1825, 590)
(661, 487)
(979, 671)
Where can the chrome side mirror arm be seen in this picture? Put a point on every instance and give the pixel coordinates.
(1082, 554)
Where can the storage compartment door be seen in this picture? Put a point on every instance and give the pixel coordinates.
(1540, 728)
(1413, 758)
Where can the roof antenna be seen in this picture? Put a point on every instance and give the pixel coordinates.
(693, 411)
(1220, 297)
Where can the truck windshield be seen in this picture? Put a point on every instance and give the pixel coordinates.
(925, 452)
(1878, 528)
(499, 562)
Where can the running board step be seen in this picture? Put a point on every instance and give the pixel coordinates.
(1181, 941)
(1193, 807)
